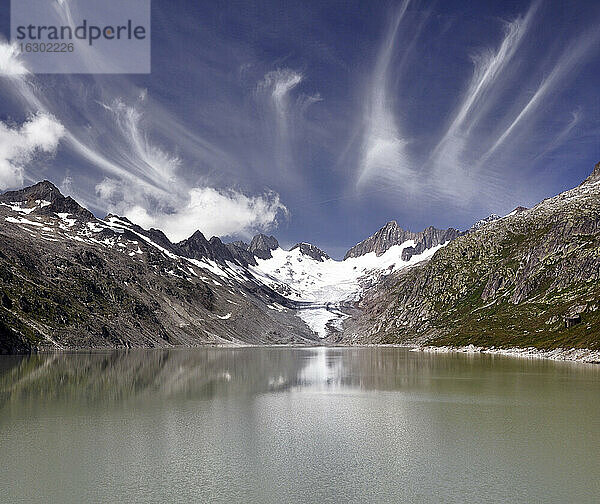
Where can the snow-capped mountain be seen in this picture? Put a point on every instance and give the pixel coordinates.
(71, 280)
(326, 289)
(84, 272)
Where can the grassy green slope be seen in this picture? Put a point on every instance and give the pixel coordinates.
(508, 284)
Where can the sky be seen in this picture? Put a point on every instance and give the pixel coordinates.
(317, 121)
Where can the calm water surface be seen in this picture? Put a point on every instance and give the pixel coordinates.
(287, 425)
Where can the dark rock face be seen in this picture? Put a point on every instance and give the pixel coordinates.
(261, 246)
(196, 247)
(220, 250)
(69, 206)
(508, 284)
(241, 254)
(391, 234)
(311, 251)
(240, 244)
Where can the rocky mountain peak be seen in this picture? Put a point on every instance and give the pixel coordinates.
(45, 198)
(196, 246)
(311, 251)
(261, 246)
(594, 176)
(389, 235)
(392, 234)
(44, 191)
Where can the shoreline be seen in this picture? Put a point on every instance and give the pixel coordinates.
(581, 355)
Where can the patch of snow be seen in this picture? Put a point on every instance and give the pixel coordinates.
(209, 265)
(224, 317)
(23, 220)
(64, 217)
(17, 206)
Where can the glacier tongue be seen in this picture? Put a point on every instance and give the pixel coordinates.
(324, 288)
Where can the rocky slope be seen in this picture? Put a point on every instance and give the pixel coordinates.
(69, 280)
(528, 279)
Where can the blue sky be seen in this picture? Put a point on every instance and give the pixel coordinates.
(319, 121)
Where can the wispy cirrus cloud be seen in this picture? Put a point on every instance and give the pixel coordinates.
(480, 137)
(139, 177)
(277, 87)
(444, 116)
(573, 55)
(383, 153)
(455, 154)
(279, 83)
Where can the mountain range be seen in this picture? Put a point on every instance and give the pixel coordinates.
(69, 280)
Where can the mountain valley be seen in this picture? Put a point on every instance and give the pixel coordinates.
(69, 280)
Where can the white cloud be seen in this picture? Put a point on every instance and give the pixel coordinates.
(41, 133)
(215, 212)
(488, 67)
(66, 186)
(276, 87)
(456, 152)
(152, 193)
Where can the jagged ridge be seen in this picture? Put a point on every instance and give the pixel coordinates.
(392, 234)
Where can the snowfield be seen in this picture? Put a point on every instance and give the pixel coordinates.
(326, 286)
